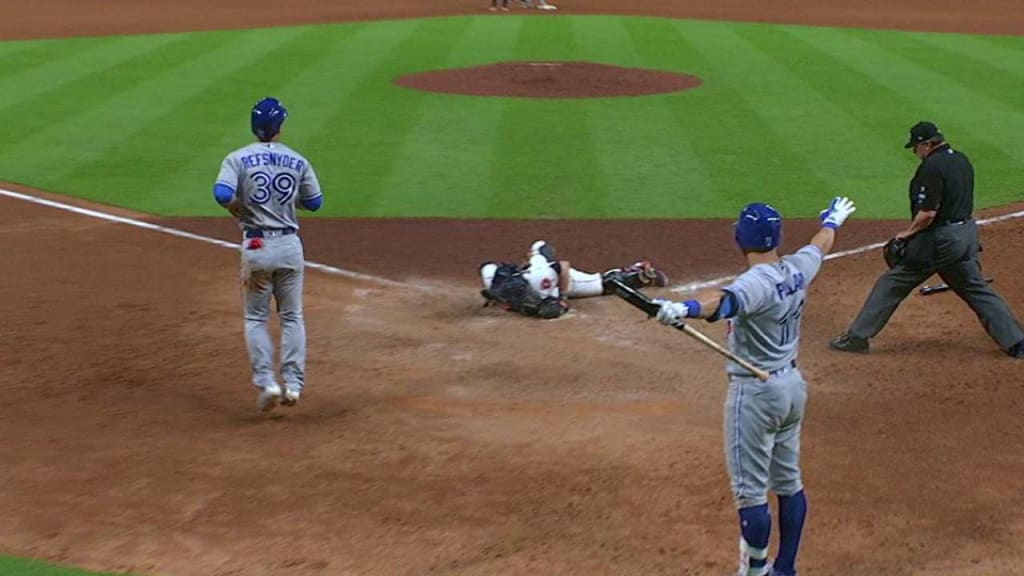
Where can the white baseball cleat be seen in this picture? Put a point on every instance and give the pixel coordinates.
(291, 397)
(269, 397)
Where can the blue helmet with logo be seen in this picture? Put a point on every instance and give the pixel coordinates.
(758, 228)
(267, 116)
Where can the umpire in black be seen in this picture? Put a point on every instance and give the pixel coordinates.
(942, 239)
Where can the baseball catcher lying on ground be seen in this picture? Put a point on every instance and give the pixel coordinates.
(542, 285)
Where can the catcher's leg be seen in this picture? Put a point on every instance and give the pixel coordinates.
(637, 275)
(584, 284)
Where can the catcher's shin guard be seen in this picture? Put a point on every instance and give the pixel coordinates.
(637, 275)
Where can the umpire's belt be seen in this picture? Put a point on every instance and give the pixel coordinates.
(956, 222)
(265, 232)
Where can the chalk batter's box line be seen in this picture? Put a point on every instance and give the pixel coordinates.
(332, 270)
(335, 271)
(691, 286)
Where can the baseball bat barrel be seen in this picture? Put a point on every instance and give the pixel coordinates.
(641, 301)
(937, 288)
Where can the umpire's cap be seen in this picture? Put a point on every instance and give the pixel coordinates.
(758, 228)
(267, 116)
(922, 132)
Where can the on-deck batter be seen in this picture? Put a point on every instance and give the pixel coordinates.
(260, 184)
(764, 306)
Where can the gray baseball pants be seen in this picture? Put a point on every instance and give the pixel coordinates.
(275, 270)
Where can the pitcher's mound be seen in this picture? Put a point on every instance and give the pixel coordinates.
(549, 80)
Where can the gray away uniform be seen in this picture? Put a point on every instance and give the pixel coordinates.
(269, 178)
(763, 419)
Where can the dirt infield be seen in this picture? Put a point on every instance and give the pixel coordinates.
(25, 20)
(440, 438)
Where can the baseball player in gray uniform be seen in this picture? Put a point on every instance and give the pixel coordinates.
(260, 184)
(764, 306)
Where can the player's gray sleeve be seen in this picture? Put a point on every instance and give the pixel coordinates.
(807, 261)
(309, 187)
(229, 174)
(753, 290)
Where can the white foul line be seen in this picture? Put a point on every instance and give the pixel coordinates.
(691, 286)
(688, 287)
(183, 234)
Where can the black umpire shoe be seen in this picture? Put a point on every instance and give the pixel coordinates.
(1017, 350)
(849, 343)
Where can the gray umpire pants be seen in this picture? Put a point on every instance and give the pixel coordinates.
(275, 270)
(951, 251)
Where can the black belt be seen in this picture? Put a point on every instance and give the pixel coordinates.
(259, 233)
(951, 222)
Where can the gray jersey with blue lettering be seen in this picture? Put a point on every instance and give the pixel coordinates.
(766, 330)
(268, 178)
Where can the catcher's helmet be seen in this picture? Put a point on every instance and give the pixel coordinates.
(267, 116)
(758, 228)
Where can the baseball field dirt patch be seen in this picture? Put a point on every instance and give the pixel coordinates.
(549, 80)
(437, 437)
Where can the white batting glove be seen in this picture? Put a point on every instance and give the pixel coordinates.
(670, 313)
(837, 212)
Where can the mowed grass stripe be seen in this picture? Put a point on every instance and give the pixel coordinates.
(1000, 57)
(176, 105)
(104, 82)
(1009, 43)
(881, 111)
(10, 566)
(964, 116)
(22, 56)
(376, 116)
(745, 130)
(794, 118)
(543, 163)
(946, 56)
(815, 105)
(56, 157)
(324, 126)
(214, 136)
(646, 160)
(934, 85)
(448, 148)
(696, 121)
(23, 81)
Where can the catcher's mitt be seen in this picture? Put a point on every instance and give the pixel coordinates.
(894, 251)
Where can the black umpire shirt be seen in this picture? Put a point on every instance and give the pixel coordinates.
(944, 181)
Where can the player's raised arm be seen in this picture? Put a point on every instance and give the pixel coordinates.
(831, 219)
(758, 237)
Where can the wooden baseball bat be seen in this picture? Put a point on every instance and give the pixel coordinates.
(641, 301)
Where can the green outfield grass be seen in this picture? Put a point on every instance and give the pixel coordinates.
(21, 567)
(789, 114)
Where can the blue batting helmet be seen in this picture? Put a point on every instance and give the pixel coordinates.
(758, 228)
(267, 116)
